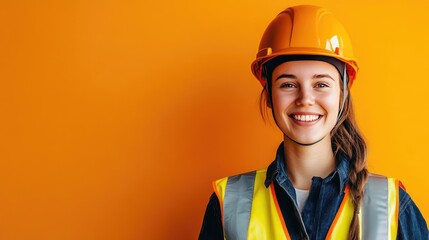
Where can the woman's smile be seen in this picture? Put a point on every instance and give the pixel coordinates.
(305, 117)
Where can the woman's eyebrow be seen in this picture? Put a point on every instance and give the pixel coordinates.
(286, 76)
(317, 76)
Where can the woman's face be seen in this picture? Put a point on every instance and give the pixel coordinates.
(305, 99)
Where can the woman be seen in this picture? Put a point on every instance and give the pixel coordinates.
(318, 187)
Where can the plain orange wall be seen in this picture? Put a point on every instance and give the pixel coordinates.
(116, 115)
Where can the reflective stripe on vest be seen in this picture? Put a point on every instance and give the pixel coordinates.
(250, 210)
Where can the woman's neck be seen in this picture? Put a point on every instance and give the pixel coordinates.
(305, 162)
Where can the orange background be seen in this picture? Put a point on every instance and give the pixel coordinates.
(116, 115)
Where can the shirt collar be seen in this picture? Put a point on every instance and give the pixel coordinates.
(277, 170)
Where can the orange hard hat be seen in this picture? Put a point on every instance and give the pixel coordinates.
(305, 30)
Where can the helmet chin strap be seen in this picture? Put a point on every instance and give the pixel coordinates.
(305, 144)
(343, 100)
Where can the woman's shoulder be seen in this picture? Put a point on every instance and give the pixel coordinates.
(408, 212)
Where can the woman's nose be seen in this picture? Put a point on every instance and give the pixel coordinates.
(305, 97)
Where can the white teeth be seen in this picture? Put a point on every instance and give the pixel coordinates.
(306, 118)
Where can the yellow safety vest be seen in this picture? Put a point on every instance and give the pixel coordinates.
(251, 211)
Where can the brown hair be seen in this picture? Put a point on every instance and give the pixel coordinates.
(347, 140)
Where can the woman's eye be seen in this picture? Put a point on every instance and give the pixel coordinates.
(321, 85)
(287, 85)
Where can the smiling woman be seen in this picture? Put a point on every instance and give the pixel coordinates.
(318, 187)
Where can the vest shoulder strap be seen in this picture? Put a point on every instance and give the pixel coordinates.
(237, 205)
(378, 218)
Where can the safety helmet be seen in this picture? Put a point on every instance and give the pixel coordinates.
(305, 30)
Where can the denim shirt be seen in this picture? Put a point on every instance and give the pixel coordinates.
(320, 208)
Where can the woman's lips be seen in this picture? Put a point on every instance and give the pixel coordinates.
(305, 119)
